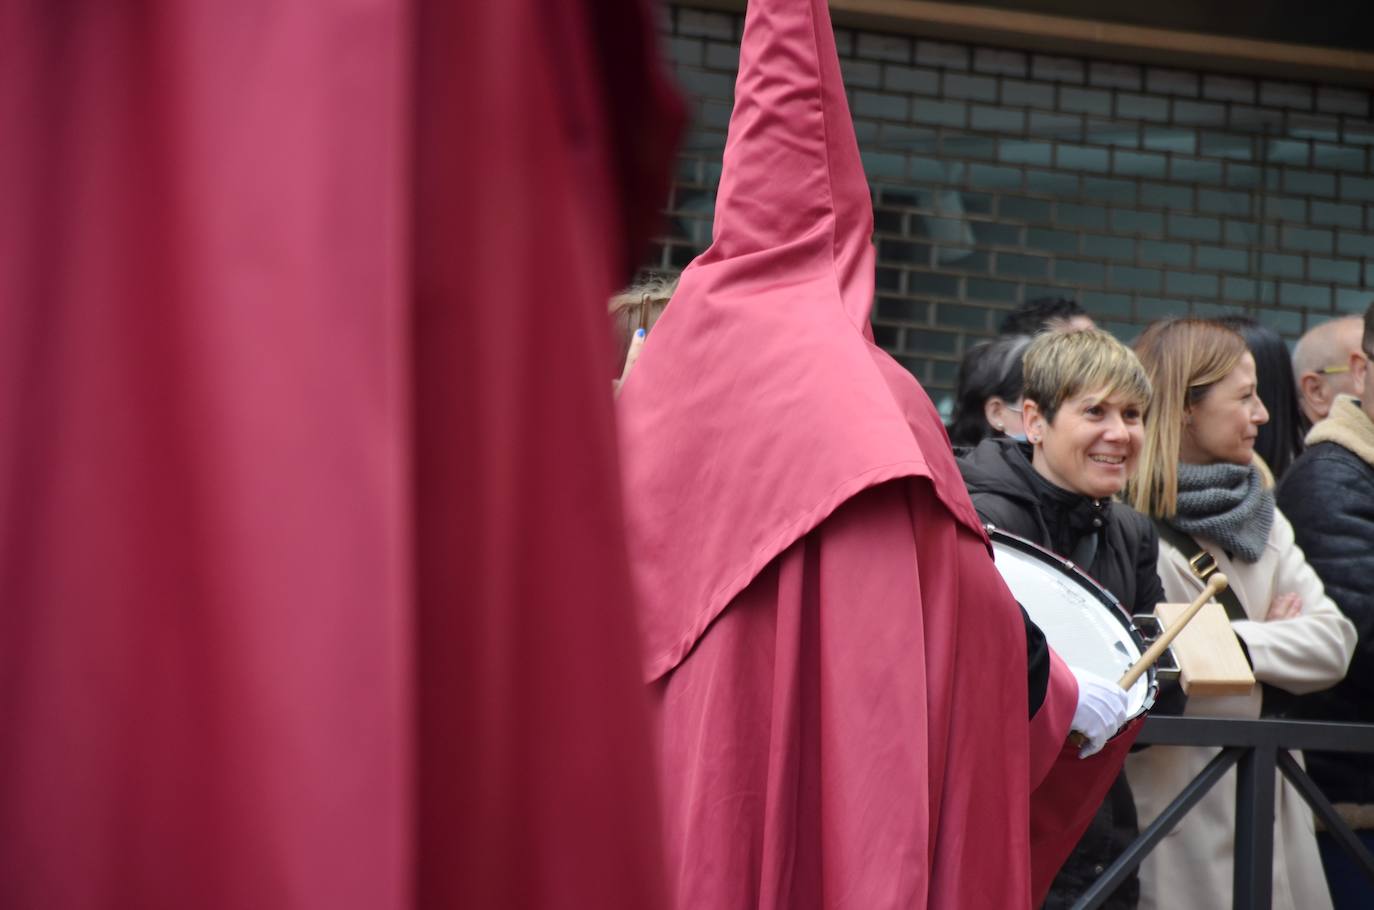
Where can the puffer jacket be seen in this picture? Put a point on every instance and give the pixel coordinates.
(1328, 496)
(1007, 492)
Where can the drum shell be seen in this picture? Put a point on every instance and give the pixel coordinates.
(1081, 620)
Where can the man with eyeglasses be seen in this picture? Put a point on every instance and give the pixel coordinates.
(1328, 495)
(1324, 364)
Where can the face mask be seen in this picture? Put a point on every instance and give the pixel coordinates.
(1019, 437)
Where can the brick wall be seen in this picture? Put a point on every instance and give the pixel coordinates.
(1000, 175)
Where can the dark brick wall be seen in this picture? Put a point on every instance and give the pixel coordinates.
(1000, 175)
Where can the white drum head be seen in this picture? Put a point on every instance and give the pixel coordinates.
(1077, 623)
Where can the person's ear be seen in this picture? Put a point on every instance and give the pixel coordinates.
(1310, 387)
(994, 412)
(1314, 388)
(1033, 419)
(1359, 366)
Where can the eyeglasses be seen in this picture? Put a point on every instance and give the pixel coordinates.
(1343, 367)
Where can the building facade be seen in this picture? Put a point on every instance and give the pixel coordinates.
(1001, 174)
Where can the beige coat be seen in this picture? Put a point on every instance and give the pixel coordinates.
(1192, 866)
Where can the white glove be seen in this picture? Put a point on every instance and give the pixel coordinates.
(1101, 710)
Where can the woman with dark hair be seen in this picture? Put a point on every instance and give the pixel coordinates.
(1280, 440)
(987, 400)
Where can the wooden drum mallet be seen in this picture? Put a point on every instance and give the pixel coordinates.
(1216, 583)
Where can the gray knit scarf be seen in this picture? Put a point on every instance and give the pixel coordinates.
(1226, 504)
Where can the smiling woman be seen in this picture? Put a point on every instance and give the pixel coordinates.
(1092, 446)
(1084, 402)
(1084, 407)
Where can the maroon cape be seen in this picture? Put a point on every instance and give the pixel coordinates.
(313, 574)
(839, 671)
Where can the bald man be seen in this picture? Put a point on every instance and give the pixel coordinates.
(1322, 364)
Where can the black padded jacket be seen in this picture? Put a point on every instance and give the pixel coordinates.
(1008, 492)
(1328, 497)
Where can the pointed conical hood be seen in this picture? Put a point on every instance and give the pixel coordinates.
(760, 403)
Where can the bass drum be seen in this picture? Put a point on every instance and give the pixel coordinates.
(1082, 620)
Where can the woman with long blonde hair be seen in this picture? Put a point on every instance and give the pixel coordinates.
(1199, 480)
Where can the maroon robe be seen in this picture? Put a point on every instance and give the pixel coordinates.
(839, 671)
(314, 582)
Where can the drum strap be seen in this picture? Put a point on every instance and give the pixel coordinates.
(1086, 551)
(1202, 564)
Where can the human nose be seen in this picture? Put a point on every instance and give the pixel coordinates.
(1114, 429)
(1261, 415)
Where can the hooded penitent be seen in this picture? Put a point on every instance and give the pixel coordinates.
(839, 673)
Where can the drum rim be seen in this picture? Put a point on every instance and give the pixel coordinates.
(1068, 567)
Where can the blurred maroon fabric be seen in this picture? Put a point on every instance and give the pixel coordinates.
(314, 584)
(523, 581)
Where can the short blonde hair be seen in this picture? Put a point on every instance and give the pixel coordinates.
(638, 307)
(1061, 364)
(1184, 359)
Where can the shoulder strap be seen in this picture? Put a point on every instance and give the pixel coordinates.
(1201, 563)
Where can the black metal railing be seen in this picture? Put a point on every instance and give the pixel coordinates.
(1257, 749)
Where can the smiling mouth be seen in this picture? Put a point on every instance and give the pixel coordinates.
(1114, 460)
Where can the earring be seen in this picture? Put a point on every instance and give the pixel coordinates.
(998, 427)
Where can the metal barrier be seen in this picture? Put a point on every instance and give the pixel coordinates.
(1257, 748)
